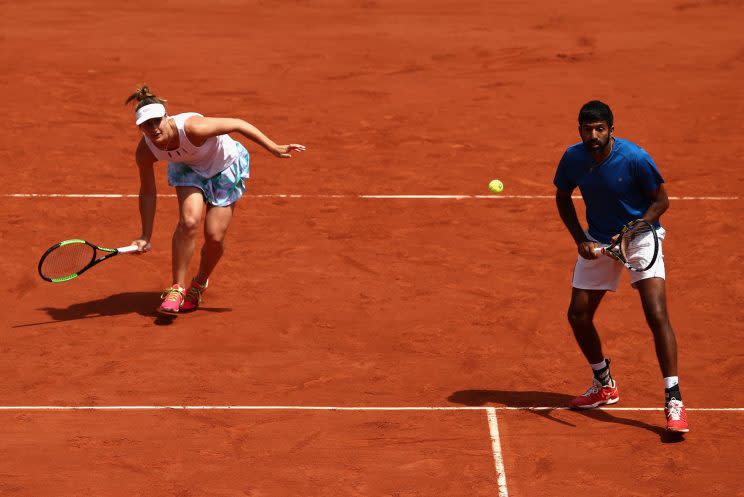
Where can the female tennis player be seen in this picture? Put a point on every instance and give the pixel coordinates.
(208, 168)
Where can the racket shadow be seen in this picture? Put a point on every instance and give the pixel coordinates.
(511, 398)
(142, 303)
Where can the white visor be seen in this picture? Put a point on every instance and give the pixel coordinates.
(148, 111)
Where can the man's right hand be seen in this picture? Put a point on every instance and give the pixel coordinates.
(586, 249)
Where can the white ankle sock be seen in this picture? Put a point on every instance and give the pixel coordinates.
(671, 381)
(599, 365)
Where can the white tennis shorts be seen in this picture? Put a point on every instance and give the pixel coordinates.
(604, 273)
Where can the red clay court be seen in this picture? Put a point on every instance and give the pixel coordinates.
(380, 325)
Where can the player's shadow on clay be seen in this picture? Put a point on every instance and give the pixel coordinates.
(142, 303)
(510, 398)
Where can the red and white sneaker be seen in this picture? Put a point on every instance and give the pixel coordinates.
(172, 300)
(596, 396)
(193, 296)
(676, 417)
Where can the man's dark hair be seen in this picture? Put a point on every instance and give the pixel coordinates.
(594, 111)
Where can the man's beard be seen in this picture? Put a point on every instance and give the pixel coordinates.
(602, 146)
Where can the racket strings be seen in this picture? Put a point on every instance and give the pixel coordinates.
(67, 260)
(637, 245)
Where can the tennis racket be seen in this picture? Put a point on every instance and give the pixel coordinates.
(69, 259)
(636, 246)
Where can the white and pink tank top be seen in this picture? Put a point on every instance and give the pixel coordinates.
(214, 156)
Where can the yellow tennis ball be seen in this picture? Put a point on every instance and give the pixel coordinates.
(496, 186)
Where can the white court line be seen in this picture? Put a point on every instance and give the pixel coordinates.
(493, 427)
(338, 408)
(498, 458)
(321, 196)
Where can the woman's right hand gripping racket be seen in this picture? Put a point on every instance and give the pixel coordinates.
(636, 246)
(71, 258)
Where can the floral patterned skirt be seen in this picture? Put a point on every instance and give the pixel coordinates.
(222, 189)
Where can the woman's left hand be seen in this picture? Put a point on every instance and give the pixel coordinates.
(283, 151)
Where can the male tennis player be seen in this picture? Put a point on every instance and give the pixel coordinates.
(619, 183)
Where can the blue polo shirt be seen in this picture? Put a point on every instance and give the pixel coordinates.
(616, 191)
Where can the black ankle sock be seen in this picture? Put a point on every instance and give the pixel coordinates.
(603, 375)
(672, 393)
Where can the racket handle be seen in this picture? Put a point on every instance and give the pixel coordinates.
(128, 249)
(599, 250)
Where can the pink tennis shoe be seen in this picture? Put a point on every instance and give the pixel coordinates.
(172, 300)
(193, 296)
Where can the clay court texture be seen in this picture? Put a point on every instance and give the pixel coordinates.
(381, 324)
